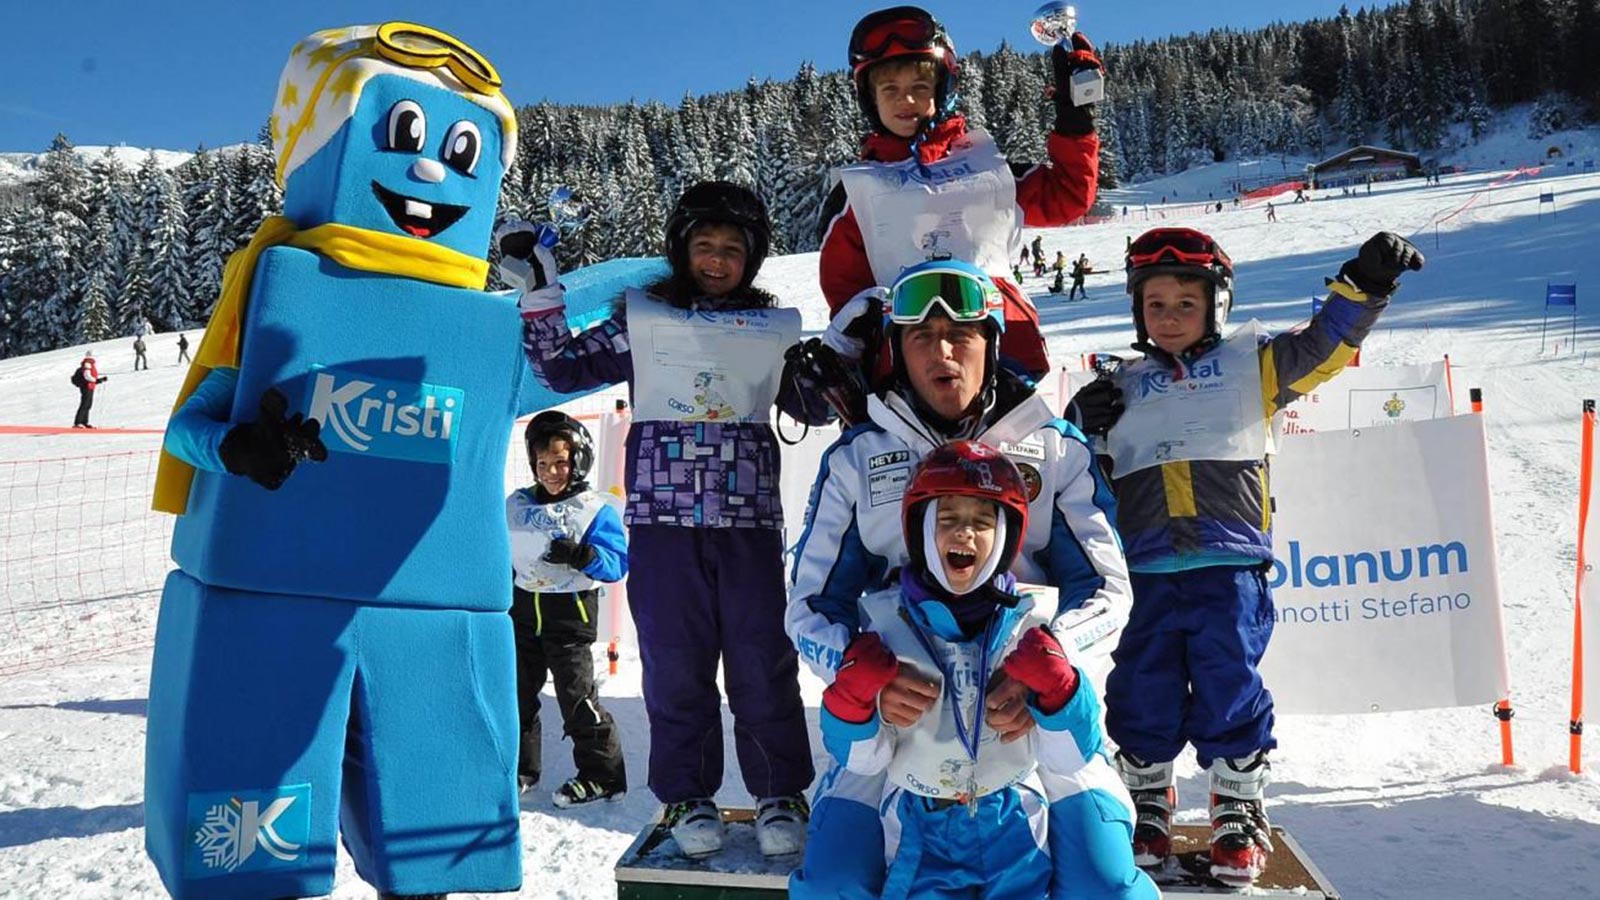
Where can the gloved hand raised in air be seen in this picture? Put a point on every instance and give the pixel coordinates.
(528, 266)
(1040, 663)
(267, 450)
(1072, 119)
(1377, 268)
(867, 669)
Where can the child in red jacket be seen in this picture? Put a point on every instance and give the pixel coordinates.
(928, 185)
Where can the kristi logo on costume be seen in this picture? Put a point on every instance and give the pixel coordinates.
(390, 419)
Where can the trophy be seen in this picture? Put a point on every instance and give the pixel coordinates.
(1054, 23)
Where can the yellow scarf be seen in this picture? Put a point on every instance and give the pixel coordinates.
(353, 248)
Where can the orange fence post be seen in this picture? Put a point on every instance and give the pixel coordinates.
(1449, 384)
(1502, 710)
(1575, 723)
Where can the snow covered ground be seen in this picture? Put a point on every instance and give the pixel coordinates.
(1399, 805)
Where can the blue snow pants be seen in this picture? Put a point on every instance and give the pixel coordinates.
(699, 595)
(278, 722)
(1090, 843)
(1186, 668)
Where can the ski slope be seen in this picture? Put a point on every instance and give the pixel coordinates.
(1395, 805)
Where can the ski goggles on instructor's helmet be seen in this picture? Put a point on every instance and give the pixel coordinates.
(912, 29)
(963, 291)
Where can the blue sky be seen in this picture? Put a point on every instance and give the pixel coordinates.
(178, 73)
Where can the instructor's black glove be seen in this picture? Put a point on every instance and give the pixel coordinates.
(1377, 268)
(1073, 120)
(568, 552)
(1096, 407)
(267, 450)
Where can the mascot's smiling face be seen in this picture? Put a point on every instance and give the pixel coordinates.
(414, 160)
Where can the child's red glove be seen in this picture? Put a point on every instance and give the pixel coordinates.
(867, 669)
(1041, 664)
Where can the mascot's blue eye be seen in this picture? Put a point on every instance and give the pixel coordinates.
(462, 146)
(408, 127)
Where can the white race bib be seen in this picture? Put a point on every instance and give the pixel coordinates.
(1215, 412)
(702, 366)
(964, 205)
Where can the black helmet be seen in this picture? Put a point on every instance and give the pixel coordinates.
(553, 423)
(722, 203)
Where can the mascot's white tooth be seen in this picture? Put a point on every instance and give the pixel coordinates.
(419, 209)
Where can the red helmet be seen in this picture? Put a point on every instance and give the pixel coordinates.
(966, 469)
(1180, 251)
(901, 31)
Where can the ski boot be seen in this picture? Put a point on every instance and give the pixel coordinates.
(781, 824)
(1154, 797)
(696, 825)
(1241, 837)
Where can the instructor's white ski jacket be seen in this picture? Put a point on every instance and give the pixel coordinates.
(853, 541)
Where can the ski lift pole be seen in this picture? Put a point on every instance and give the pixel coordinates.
(1502, 709)
(1575, 724)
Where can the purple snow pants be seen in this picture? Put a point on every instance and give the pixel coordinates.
(699, 595)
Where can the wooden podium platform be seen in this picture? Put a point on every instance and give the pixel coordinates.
(653, 869)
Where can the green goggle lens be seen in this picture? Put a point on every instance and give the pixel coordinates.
(963, 298)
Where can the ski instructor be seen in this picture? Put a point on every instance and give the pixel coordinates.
(944, 331)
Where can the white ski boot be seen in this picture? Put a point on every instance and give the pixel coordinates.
(1154, 797)
(781, 824)
(1241, 837)
(696, 825)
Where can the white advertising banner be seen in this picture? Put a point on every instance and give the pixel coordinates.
(1386, 581)
(1363, 396)
(1589, 594)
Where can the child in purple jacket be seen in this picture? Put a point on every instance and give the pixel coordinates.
(704, 517)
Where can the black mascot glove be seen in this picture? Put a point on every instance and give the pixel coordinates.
(568, 552)
(1376, 270)
(1095, 407)
(267, 450)
(1073, 120)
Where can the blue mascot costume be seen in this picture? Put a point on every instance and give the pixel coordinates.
(333, 655)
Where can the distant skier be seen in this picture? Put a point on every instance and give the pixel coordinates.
(1272, 212)
(183, 347)
(86, 378)
(139, 360)
(1080, 269)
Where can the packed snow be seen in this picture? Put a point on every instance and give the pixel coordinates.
(1395, 805)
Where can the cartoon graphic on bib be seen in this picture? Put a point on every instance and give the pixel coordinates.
(711, 405)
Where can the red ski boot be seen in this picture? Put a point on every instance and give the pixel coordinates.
(1241, 837)
(1154, 798)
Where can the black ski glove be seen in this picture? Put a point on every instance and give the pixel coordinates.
(102, 379)
(1377, 268)
(568, 552)
(1096, 407)
(1073, 120)
(267, 450)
